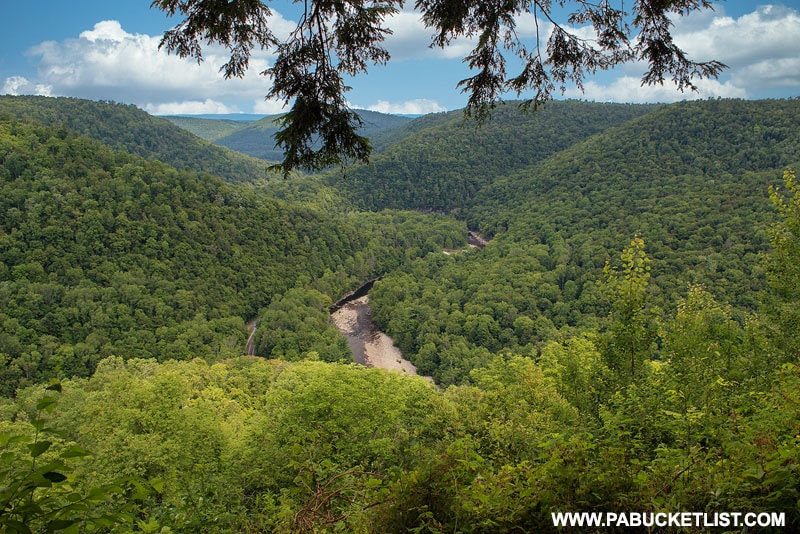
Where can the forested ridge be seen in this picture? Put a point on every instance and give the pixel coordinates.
(128, 128)
(627, 341)
(441, 162)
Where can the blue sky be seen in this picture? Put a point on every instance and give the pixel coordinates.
(107, 49)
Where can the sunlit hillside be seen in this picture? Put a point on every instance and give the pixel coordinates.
(619, 334)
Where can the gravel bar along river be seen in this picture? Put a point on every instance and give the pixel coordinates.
(370, 346)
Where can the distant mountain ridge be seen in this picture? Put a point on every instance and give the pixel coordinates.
(256, 138)
(126, 127)
(208, 128)
(236, 117)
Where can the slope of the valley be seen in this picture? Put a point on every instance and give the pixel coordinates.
(104, 252)
(692, 180)
(440, 162)
(128, 128)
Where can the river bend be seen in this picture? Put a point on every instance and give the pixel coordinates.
(369, 345)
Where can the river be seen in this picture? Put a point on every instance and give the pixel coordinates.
(370, 346)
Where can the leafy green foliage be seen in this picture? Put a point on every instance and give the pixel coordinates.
(579, 373)
(322, 421)
(38, 490)
(125, 127)
(105, 253)
(253, 444)
(783, 265)
(297, 326)
(633, 328)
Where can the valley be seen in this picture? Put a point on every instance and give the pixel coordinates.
(618, 329)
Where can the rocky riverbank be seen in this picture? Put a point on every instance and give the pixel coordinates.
(370, 346)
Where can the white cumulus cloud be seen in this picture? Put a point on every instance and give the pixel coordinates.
(630, 89)
(419, 106)
(269, 107)
(108, 62)
(190, 107)
(19, 85)
(756, 47)
(759, 48)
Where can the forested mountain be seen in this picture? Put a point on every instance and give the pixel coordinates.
(627, 341)
(128, 128)
(690, 179)
(209, 129)
(440, 162)
(257, 138)
(106, 253)
(715, 140)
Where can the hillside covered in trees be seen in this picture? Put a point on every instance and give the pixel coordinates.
(128, 128)
(627, 341)
(557, 223)
(442, 161)
(105, 253)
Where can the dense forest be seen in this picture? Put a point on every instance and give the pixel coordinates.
(128, 128)
(627, 341)
(105, 253)
(703, 216)
(442, 161)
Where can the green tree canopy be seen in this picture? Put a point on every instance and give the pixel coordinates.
(782, 265)
(337, 38)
